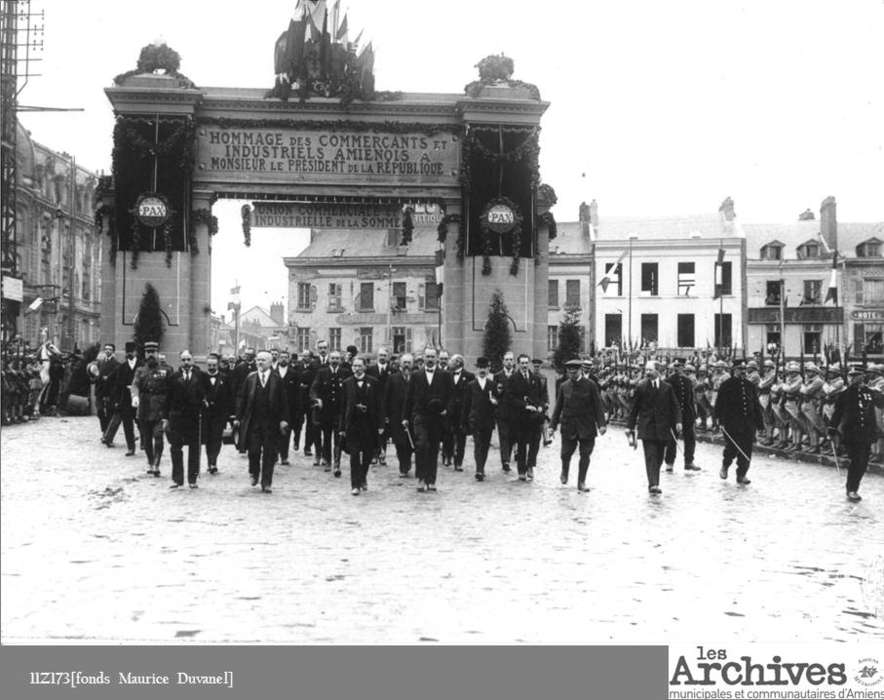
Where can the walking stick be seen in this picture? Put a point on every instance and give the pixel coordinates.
(835, 455)
(734, 443)
(408, 435)
(674, 440)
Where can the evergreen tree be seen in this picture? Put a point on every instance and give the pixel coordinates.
(497, 338)
(149, 322)
(568, 347)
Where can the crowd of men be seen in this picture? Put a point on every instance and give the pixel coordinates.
(325, 405)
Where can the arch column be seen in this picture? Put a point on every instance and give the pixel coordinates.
(453, 277)
(200, 273)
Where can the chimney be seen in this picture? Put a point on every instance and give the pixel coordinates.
(583, 218)
(727, 210)
(807, 215)
(829, 223)
(277, 313)
(594, 213)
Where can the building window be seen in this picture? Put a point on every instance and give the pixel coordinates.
(365, 300)
(649, 328)
(365, 335)
(552, 338)
(772, 292)
(334, 339)
(303, 296)
(687, 279)
(335, 298)
(812, 335)
(772, 252)
(612, 281)
(613, 329)
(773, 335)
(723, 337)
(431, 300)
(869, 249)
(553, 294)
(869, 291)
(686, 330)
(725, 281)
(399, 296)
(303, 339)
(808, 250)
(650, 279)
(401, 339)
(572, 293)
(868, 338)
(812, 291)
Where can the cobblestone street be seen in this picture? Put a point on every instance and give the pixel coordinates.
(94, 550)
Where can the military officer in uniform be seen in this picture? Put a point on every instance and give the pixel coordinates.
(684, 393)
(327, 395)
(149, 390)
(854, 421)
(578, 409)
(738, 413)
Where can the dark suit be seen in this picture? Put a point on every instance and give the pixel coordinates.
(424, 406)
(217, 411)
(104, 391)
(260, 410)
(237, 378)
(184, 404)
(655, 413)
(521, 392)
(579, 409)
(854, 418)
(361, 421)
(454, 439)
(478, 418)
(503, 419)
(382, 374)
(328, 387)
(684, 394)
(290, 384)
(395, 394)
(303, 415)
(738, 411)
(122, 399)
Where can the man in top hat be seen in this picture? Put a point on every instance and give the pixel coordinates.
(657, 417)
(218, 408)
(149, 389)
(395, 393)
(854, 421)
(362, 422)
(261, 415)
(480, 401)
(184, 403)
(347, 362)
(684, 392)
(122, 399)
(738, 412)
(578, 409)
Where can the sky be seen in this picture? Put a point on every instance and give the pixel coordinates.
(656, 108)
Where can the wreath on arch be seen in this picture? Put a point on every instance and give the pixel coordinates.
(494, 219)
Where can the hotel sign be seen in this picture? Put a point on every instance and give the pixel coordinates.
(327, 156)
(868, 315)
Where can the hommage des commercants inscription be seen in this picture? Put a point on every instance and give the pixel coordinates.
(328, 155)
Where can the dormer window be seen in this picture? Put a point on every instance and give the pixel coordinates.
(772, 251)
(869, 249)
(808, 250)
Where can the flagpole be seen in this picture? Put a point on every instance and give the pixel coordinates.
(629, 308)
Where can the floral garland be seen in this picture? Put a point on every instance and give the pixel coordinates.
(442, 232)
(157, 58)
(246, 212)
(529, 150)
(547, 219)
(136, 243)
(325, 124)
(201, 216)
(515, 234)
(167, 241)
(407, 226)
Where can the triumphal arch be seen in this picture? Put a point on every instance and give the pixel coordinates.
(322, 139)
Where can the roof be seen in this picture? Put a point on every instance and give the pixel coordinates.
(793, 234)
(256, 313)
(367, 243)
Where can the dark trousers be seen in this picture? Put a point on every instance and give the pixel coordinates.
(360, 458)
(524, 438)
(152, 440)
(263, 445)
(404, 451)
(104, 411)
(481, 443)
(654, 451)
(213, 436)
(534, 445)
(297, 424)
(125, 416)
(427, 436)
(329, 434)
(742, 439)
(690, 444)
(312, 438)
(285, 438)
(858, 453)
(177, 442)
(448, 439)
(587, 445)
(506, 445)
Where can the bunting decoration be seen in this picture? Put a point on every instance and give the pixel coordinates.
(832, 292)
(719, 273)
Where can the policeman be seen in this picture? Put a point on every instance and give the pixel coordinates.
(739, 415)
(149, 390)
(683, 387)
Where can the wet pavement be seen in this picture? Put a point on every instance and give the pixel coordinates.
(96, 551)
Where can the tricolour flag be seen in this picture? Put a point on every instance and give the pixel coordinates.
(832, 292)
(36, 304)
(719, 273)
(611, 270)
(342, 31)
